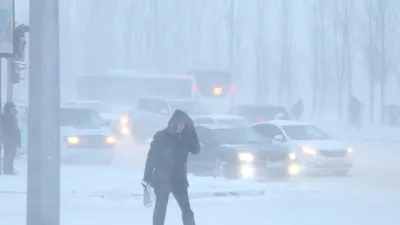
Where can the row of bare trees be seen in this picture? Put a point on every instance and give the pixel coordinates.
(348, 39)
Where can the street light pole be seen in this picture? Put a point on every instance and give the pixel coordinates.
(43, 201)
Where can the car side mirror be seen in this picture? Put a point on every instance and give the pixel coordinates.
(278, 139)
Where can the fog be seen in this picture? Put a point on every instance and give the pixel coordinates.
(277, 52)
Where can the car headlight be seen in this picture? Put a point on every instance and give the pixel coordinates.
(125, 130)
(124, 120)
(246, 157)
(73, 140)
(309, 151)
(292, 156)
(349, 150)
(110, 140)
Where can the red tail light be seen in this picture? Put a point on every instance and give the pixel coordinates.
(261, 119)
(232, 89)
(195, 88)
(292, 118)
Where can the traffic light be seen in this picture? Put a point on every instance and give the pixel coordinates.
(20, 42)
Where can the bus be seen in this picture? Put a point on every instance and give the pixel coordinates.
(214, 89)
(126, 88)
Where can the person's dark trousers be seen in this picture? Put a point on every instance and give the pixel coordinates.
(182, 199)
(1, 158)
(8, 159)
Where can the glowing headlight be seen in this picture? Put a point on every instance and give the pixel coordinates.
(349, 150)
(247, 171)
(110, 140)
(308, 150)
(124, 120)
(292, 156)
(73, 140)
(125, 130)
(294, 169)
(246, 157)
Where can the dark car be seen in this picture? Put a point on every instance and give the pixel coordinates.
(235, 152)
(257, 113)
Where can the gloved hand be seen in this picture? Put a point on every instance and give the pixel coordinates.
(145, 184)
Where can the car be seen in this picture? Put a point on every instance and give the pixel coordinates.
(312, 148)
(238, 152)
(223, 119)
(84, 136)
(152, 114)
(259, 113)
(115, 115)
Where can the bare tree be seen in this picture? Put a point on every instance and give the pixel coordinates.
(261, 59)
(343, 22)
(320, 53)
(371, 50)
(321, 7)
(338, 64)
(386, 20)
(315, 46)
(285, 84)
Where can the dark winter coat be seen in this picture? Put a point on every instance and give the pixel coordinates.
(166, 164)
(11, 134)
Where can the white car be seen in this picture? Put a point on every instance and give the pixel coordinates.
(221, 119)
(84, 136)
(116, 115)
(310, 147)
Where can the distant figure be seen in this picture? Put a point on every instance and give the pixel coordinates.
(11, 137)
(392, 114)
(298, 109)
(166, 166)
(355, 111)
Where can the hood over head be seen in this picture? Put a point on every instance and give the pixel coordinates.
(177, 117)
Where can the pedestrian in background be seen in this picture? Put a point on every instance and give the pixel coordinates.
(11, 137)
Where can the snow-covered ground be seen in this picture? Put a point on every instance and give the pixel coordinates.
(111, 194)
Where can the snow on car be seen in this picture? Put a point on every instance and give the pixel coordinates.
(152, 114)
(310, 147)
(84, 136)
(115, 115)
(222, 119)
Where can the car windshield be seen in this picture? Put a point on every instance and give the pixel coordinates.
(236, 122)
(188, 107)
(80, 118)
(235, 136)
(305, 132)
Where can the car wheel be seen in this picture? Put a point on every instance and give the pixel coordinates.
(342, 173)
(221, 169)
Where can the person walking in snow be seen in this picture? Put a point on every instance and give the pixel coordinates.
(166, 166)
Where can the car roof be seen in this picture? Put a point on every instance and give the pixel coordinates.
(216, 126)
(251, 106)
(62, 106)
(219, 116)
(72, 106)
(284, 123)
(168, 99)
(83, 102)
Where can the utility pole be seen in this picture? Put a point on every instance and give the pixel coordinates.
(43, 200)
(10, 83)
